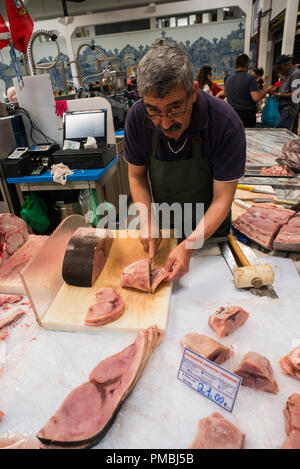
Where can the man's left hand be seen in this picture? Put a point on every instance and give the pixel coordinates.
(178, 262)
(271, 90)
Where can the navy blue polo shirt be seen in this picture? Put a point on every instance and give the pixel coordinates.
(222, 132)
(238, 88)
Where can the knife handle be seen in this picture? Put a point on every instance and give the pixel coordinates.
(245, 188)
(285, 202)
(236, 248)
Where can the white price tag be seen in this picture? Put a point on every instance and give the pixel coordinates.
(212, 381)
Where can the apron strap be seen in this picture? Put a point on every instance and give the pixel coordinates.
(154, 144)
(197, 145)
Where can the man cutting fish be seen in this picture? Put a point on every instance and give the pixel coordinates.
(182, 146)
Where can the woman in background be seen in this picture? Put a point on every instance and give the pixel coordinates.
(258, 74)
(204, 78)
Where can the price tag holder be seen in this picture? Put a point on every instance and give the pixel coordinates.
(209, 379)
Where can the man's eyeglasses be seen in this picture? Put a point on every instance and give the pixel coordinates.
(169, 115)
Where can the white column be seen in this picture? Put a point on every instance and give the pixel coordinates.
(72, 57)
(264, 34)
(248, 23)
(153, 23)
(289, 29)
(220, 15)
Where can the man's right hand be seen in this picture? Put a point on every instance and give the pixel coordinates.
(271, 90)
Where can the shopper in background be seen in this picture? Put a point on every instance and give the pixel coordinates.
(278, 83)
(288, 107)
(258, 74)
(204, 78)
(97, 88)
(12, 94)
(242, 92)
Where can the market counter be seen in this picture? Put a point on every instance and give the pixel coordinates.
(80, 179)
(42, 367)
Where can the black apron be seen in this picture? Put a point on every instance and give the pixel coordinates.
(184, 181)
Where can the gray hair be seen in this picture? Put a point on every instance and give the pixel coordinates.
(164, 67)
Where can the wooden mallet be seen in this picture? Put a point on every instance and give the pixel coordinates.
(249, 275)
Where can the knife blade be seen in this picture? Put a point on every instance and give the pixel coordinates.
(150, 272)
(252, 189)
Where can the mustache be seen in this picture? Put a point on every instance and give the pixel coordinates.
(173, 127)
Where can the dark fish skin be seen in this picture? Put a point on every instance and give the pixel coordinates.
(90, 442)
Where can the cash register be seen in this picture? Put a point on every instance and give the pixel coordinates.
(78, 128)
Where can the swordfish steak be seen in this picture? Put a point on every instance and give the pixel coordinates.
(256, 372)
(227, 319)
(140, 276)
(89, 411)
(292, 413)
(288, 238)
(262, 223)
(206, 347)
(108, 308)
(137, 275)
(292, 422)
(215, 432)
(290, 364)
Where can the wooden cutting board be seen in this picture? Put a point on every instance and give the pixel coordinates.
(10, 281)
(69, 308)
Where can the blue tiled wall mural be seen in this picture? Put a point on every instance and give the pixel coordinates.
(219, 53)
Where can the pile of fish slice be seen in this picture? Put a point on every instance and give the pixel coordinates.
(89, 410)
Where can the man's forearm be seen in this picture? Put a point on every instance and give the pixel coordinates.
(284, 95)
(141, 196)
(140, 191)
(212, 220)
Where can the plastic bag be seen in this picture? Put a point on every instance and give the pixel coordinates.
(35, 213)
(88, 202)
(270, 116)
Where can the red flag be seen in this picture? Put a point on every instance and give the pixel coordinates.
(21, 25)
(3, 29)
